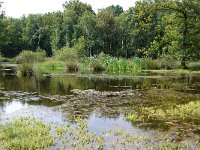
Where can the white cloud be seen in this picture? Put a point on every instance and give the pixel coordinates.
(16, 8)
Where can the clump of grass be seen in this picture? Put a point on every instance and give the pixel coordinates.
(183, 111)
(25, 133)
(50, 65)
(72, 66)
(153, 64)
(25, 70)
(98, 65)
(111, 65)
(124, 66)
(132, 117)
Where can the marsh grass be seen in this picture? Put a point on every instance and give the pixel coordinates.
(113, 66)
(50, 65)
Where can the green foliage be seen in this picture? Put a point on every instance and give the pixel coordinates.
(98, 65)
(67, 54)
(112, 65)
(25, 69)
(182, 111)
(72, 66)
(25, 133)
(132, 117)
(1, 58)
(162, 63)
(30, 57)
(124, 66)
(153, 64)
(29, 133)
(194, 66)
(167, 30)
(50, 65)
(81, 48)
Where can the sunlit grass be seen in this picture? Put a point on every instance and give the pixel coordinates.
(29, 133)
(179, 112)
(25, 133)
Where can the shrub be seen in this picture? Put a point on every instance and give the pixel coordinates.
(66, 54)
(98, 65)
(25, 70)
(30, 57)
(169, 64)
(81, 47)
(72, 66)
(1, 58)
(153, 64)
(194, 66)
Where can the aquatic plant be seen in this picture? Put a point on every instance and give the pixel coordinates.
(132, 117)
(29, 133)
(25, 133)
(114, 66)
(182, 111)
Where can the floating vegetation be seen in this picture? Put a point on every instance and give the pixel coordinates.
(183, 111)
(25, 133)
(29, 133)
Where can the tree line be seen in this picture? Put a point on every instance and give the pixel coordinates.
(154, 29)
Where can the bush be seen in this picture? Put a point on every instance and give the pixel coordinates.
(1, 58)
(30, 57)
(25, 70)
(66, 54)
(98, 65)
(72, 66)
(194, 66)
(153, 64)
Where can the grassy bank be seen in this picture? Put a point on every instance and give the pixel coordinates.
(67, 60)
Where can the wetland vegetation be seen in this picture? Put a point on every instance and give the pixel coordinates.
(111, 79)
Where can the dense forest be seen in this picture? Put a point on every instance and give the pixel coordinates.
(151, 29)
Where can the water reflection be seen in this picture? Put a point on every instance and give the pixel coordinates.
(62, 85)
(10, 107)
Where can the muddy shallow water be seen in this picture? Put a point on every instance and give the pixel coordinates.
(102, 101)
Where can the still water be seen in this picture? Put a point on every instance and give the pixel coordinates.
(33, 97)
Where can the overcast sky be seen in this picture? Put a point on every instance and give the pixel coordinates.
(16, 8)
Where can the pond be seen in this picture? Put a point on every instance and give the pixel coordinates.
(103, 101)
